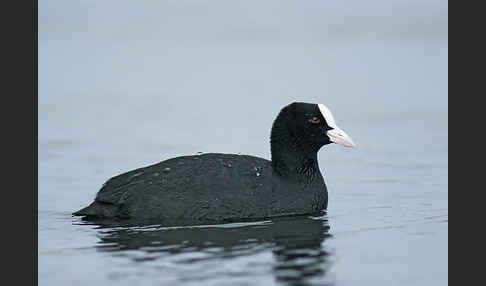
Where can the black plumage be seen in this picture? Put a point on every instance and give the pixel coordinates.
(217, 187)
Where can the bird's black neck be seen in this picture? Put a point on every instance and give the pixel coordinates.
(290, 162)
(292, 156)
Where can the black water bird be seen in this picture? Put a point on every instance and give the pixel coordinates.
(217, 187)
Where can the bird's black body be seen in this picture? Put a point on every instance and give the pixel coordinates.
(216, 187)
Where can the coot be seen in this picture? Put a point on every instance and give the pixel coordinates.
(217, 187)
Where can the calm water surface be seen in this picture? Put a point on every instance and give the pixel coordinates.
(116, 94)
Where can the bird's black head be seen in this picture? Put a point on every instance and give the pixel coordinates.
(307, 126)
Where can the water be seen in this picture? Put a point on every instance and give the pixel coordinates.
(124, 86)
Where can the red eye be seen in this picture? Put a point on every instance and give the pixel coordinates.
(315, 120)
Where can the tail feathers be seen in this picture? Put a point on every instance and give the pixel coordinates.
(99, 209)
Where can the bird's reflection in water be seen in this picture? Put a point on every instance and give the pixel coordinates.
(299, 253)
(296, 244)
